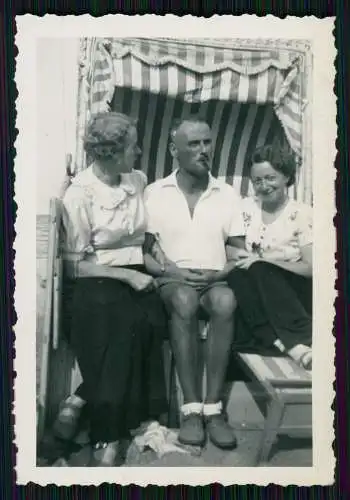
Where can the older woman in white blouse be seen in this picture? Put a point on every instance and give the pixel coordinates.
(273, 278)
(118, 321)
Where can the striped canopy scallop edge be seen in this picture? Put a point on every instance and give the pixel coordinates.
(249, 98)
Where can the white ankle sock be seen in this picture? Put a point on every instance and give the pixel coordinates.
(210, 409)
(188, 408)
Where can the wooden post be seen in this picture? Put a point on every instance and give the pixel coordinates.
(306, 188)
(270, 432)
(57, 301)
(47, 323)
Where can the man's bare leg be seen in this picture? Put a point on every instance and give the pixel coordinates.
(219, 303)
(182, 302)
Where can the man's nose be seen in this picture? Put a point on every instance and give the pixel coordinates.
(204, 147)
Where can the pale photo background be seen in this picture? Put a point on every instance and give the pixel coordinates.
(57, 72)
(57, 85)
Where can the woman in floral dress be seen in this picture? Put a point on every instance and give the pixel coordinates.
(272, 279)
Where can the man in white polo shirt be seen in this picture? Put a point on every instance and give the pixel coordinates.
(193, 216)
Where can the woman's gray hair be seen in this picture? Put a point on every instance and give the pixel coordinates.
(107, 134)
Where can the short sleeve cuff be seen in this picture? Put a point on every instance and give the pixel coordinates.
(237, 232)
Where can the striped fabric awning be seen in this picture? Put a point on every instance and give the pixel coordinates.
(249, 97)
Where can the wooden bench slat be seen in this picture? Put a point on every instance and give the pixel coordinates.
(279, 379)
(275, 368)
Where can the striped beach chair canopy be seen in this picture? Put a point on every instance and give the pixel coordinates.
(249, 96)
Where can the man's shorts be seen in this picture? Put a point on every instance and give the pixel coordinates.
(166, 288)
(165, 282)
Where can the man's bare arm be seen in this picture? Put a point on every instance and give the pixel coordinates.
(235, 248)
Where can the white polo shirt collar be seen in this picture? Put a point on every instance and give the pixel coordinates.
(171, 181)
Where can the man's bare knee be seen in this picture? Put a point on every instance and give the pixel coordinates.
(221, 302)
(185, 302)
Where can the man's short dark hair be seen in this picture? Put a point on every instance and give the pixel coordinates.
(179, 121)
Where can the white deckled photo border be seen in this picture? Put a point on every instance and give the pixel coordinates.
(324, 130)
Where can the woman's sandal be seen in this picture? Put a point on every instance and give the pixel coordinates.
(67, 421)
(305, 361)
(105, 455)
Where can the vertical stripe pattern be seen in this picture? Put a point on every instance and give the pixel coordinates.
(248, 98)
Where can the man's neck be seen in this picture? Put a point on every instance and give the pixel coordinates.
(190, 184)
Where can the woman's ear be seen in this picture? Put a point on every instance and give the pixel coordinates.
(173, 150)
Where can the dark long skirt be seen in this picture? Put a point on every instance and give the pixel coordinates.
(117, 336)
(272, 303)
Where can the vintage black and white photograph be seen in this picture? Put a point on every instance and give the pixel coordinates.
(181, 243)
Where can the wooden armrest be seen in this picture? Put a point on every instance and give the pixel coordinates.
(290, 383)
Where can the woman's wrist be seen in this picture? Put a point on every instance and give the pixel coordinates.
(168, 269)
(126, 275)
(218, 275)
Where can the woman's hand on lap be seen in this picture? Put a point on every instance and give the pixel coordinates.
(247, 262)
(142, 282)
(137, 280)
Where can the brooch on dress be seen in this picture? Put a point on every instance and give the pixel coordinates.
(256, 248)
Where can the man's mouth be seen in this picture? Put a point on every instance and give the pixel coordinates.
(204, 159)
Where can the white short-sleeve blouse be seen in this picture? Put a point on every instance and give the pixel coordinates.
(105, 224)
(283, 238)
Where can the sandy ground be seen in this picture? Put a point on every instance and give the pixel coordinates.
(286, 452)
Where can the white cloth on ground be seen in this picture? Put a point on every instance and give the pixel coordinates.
(158, 438)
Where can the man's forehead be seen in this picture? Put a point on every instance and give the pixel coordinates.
(192, 129)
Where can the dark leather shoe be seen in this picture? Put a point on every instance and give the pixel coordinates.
(220, 432)
(106, 455)
(192, 430)
(67, 421)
